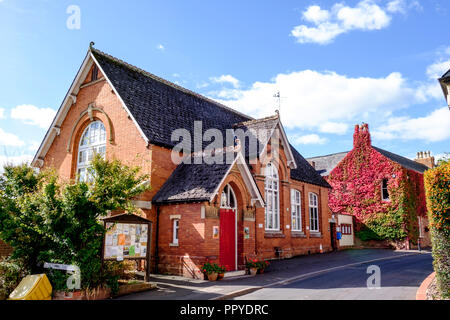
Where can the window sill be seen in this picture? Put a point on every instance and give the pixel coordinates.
(298, 234)
(173, 245)
(274, 234)
(315, 234)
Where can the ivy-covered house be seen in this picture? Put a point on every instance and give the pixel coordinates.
(382, 190)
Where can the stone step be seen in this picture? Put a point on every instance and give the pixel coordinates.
(234, 274)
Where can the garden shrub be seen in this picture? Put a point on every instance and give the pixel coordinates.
(45, 219)
(11, 273)
(437, 184)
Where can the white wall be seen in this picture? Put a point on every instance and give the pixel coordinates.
(346, 240)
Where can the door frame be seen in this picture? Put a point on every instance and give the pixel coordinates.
(230, 191)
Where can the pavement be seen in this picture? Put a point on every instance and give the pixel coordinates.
(336, 275)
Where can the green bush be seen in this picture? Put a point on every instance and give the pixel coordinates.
(11, 273)
(437, 186)
(46, 220)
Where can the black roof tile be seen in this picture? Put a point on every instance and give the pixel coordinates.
(160, 107)
(325, 164)
(404, 162)
(305, 172)
(192, 182)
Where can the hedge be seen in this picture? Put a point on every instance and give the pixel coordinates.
(437, 185)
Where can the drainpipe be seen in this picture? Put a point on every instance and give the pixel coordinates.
(157, 240)
(256, 235)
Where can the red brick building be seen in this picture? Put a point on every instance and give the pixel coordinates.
(382, 190)
(268, 204)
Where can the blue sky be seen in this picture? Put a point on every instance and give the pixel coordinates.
(336, 64)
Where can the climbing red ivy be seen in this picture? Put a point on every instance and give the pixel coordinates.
(356, 183)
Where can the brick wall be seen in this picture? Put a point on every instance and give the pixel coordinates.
(195, 238)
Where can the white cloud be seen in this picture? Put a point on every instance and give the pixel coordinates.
(402, 6)
(10, 139)
(307, 139)
(437, 69)
(33, 115)
(321, 100)
(433, 127)
(333, 127)
(226, 79)
(15, 160)
(160, 47)
(34, 145)
(2, 111)
(328, 24)
(316, 15)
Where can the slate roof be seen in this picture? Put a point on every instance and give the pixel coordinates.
(325, 164)
(447, 74)
(159, 107)
(192, 182)
(259, 129)
(404, 162)
(305, 172)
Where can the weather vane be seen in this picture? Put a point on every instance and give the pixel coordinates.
(278, 96)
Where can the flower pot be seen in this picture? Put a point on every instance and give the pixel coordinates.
(260, 271)
(220, 276)
(253, 271)
(212, 276)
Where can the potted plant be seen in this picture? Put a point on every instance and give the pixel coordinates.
(252, 266)
(221, 272)
(210, 270)
(262, 265)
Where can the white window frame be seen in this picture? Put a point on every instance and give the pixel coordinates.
(89, 149)
(387, 190)
(272, 196)
(313, 212)
(228, 192)
(175, 230)
(296, 210)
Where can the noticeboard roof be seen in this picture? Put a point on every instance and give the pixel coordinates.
(127, 218)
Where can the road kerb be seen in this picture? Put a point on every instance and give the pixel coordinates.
(248, 290)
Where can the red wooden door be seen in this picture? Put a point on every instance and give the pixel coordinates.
(228, 239)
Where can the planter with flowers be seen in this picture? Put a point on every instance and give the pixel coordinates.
(211, 270)
(252, 266)
(262, 265)
(221, 272)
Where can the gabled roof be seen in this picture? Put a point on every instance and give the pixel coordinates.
(305, 172)
(200, 182)
(447, 74)
(445, 84)
(325, 164)
(404, 162)
(158, 107)
(263, 130)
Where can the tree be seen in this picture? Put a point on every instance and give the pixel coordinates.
(45, 219)
(437, 185)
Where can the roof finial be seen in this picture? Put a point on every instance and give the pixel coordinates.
(91, 45)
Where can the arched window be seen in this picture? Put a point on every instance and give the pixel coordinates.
(272, 198)
(228, 199)
(313, 212)
(93, 141)
(296, 210)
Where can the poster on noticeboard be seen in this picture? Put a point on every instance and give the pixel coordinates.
(125, 240)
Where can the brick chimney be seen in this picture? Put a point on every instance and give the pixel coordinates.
(361, 137)
(425, 158)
